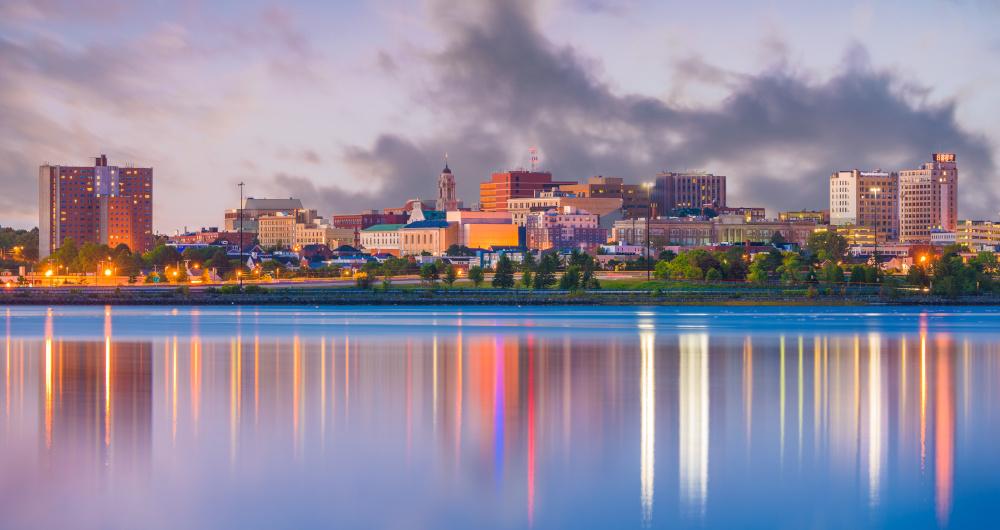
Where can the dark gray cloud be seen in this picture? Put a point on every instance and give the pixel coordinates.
(499, 84)
(389, 173)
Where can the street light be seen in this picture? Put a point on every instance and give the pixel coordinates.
(649, 216)
(875, 191)
(238, 275)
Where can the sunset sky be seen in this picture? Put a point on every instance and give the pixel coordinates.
(352, 105)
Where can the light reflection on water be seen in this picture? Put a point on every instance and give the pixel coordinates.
(205, 417)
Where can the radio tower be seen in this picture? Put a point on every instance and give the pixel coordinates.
(533, 152)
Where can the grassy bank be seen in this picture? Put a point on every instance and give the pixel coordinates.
(612, 294)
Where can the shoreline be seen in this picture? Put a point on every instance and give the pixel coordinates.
(440, 297)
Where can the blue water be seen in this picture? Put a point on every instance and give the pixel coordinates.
(463, 417)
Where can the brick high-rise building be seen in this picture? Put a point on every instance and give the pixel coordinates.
(688, 190)
(866, 198)
(928, 198)
(95, 204)
(503, 186)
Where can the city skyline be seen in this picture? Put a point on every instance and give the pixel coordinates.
(780, 113)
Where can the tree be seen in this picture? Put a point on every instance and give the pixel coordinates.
(986, 262)
(570, 279)
(872, 274)
(503, 278)
(162, 255)
(527, 279)
(952, 277)
(450, 275)
(832, 273)
(713, 275)
(90, 255)
(827, 245)
(733, 267)
(392, 267)
(757, 273)
(528, 263)
(857, 274)
(667, 255)
(476, 275)
(772, 260)
(459, 250)
(363, 280)
(545, 276)
(791, 266)
(662, 270)
(65, 255)
(581, 259)
(918, 276)
(589, 280)
(429, 274)
(179, 275)
(685, 265)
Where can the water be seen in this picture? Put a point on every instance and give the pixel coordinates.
(437, 417)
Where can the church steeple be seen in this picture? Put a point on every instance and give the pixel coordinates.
(446, 189)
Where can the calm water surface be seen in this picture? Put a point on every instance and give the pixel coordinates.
(499, 417)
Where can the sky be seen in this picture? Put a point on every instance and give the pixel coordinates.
(354, 105)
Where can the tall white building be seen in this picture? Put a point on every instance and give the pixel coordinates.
(928, 198)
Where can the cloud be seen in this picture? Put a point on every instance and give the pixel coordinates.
(499, 81)
(173, 96)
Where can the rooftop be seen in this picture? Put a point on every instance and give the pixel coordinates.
(383, 228)
(273, 204)
(431, 223)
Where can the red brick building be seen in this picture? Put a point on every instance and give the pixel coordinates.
(494, 194)
(95, 204)
(360, 221)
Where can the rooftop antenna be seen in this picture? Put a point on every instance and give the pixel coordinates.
(533, 152)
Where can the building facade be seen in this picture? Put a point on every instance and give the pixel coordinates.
(750, 213)
(381, 239)
(691, 231)
(978, 235)
(564, 228)
(277, 230)
(506, 185)
(433, 237)
(484, 229)
(253, 209)
(697, 190)
(817, 216)
(321, 234)
(635, 197)
(606, 208)
(360, 221)
(101, 204)
(928, 198)
(866, 198)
